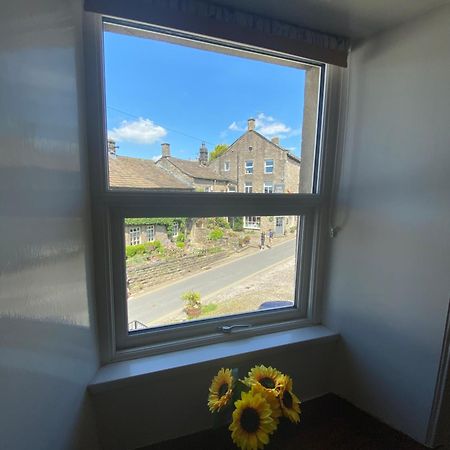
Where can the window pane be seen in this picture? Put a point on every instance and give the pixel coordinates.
(200, 268)
(186, 116)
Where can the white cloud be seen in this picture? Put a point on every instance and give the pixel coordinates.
(155, 158)
(140, 131)
(269, 126)
(235, 127)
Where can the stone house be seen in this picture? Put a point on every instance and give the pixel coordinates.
(260, 165)
(195, 173)
(142, 232)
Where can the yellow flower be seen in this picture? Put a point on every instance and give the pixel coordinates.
(221, 390)
(290, 404)
(252, 422)
(270, 398)
(268, 377)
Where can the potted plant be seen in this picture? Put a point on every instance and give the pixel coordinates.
(193, 305)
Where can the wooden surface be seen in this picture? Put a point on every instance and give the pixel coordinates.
(327, 423)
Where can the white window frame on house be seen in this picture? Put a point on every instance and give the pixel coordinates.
(248, 187)
(226, 166)
(249, 167)
(252, 222)
(268, 166)
(135, 235)
(268, 187)
(111, 207)
(175, 229)
(151, 233)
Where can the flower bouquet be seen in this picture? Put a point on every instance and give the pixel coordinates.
(254, 405)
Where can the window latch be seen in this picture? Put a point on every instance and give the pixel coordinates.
(230, 328)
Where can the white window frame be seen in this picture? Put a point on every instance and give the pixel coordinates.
(249, 167)
(248, 187)
(151, 230)
(252, 222)
(268, 187)
(135, 235)
(175, 229)
(226, 166)
(112, 207)
(269, 166)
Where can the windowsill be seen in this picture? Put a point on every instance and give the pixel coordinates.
(116, 375)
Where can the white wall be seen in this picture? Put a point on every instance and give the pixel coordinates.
(47, 342)
(389, 271)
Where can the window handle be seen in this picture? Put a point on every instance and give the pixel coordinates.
(230, 328)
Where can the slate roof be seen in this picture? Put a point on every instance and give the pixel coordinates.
(196, 170)
(136, 173)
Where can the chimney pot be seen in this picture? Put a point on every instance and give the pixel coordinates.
(251, 124)
(203, 154)
(276, 140)
(165, 149)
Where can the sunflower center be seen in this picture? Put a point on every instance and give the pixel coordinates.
(250, 420)
(223, 389)
(287, 399)
(267, 382)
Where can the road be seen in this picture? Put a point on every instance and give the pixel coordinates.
(158, 303)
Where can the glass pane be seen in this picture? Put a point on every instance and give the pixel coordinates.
(189, 116)
(199, 268)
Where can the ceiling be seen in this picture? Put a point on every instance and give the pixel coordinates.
(356, 19)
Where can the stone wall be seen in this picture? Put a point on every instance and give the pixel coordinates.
(153, 274)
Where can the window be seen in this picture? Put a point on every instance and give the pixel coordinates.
(268, 187)
(135, 236)
(151, 233)
(252, 222)
(208, 189)
(175, 229)
(268, 166)
(136, 180)
(231, 189)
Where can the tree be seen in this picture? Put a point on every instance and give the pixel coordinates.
(219, 149)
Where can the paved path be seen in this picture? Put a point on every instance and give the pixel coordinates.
(156, 304)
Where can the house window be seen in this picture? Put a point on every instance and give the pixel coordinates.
(135, 235)
(279, 188)
(175, 229)
(268, 187)
(132, 190)
(226, 166)
(252, 222)
(151, 233)
(268, 166)
(231, 189)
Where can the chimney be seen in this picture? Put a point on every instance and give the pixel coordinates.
(276, 140)
(251, 124)
(165, 150)
(112, 147)
(203, 154)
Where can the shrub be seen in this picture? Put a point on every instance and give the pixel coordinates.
(238, 223)
(192, 299)
(215, 234)
(133, 250)
(181, 237)
(222, 222)
(180, 244)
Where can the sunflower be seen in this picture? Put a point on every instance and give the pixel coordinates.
(268, 377)
(221, 390)
(270, 398)
(252, 422)
(290, 404)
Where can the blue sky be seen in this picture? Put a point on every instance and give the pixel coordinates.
(160, 92)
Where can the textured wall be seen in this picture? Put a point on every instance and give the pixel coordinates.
(47, 343)
(389, 279)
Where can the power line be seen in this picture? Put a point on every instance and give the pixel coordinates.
(170, 129)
